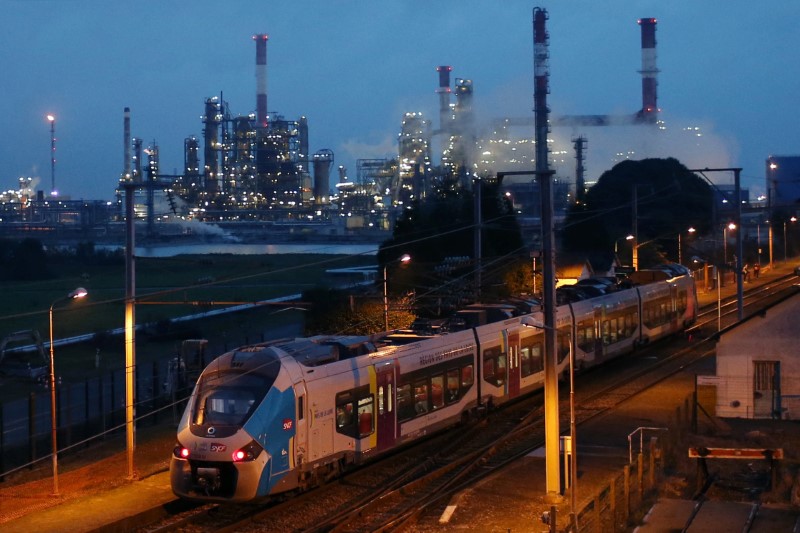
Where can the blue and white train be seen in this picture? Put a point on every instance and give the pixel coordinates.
(286, 415)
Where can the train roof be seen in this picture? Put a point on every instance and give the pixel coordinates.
(323, 349)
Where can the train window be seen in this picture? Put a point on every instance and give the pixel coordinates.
(683, 301)
(489, 368)
(421, 397)
(224, 407)
(405, 403)
(344, 415)
(525, 361)
(230, 403)
(494, 366)
(606, 332)
(585, 335)
(501, 369)
(380, 400)
(467, 377)
(365, 419)
(389, 399)
(300, 408)
(437, 392)
(657, 312)
(532, 350)
(354, 410)
(452, 386)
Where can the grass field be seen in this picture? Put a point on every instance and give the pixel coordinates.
(169, 281)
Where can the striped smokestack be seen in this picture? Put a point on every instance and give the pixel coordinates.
(126, 144)
(261, 79)
(649, 70)
(444, 95)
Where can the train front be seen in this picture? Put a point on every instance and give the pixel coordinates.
(236, 434)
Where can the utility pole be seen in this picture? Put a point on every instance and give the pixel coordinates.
(635, 226)
(130, 328)
(739, 242)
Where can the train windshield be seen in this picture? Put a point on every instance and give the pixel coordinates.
(228, 398)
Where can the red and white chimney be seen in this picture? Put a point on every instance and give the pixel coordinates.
(444, 95)
(649, 70)
(126, 144)
(261, 79)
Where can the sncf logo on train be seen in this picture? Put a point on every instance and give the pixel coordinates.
(444, 355)
(215, 447)
(287, 424)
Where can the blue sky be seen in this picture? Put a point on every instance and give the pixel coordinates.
(354, 67)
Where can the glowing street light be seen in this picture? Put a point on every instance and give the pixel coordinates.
(530, 322)
(80, 292)
(625, 238)
(730, 227)
(405, 258)
(680, 249)
(785, 249)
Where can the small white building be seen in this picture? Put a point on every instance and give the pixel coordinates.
(758, 365)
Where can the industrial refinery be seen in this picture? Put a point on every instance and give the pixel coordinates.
(257, 172)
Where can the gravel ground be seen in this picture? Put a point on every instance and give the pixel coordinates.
(94, 470)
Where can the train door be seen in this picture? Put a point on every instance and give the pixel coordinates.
(386, 396)
(301, 424)
(598, 333)
(513, 364)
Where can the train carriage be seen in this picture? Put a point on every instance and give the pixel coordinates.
(666, 307)
(606, 326)
(286, 415)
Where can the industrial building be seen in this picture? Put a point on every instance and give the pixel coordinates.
(258, 168)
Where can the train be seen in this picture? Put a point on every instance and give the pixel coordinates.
(286, 415)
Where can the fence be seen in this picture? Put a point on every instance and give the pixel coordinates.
(619, 503)
(90, 410)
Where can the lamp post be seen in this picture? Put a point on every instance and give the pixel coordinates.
(785, 248)
(531, 322)
(405, 258)
(731, 226)
(80, 292)
(680, 248)
(626, 238)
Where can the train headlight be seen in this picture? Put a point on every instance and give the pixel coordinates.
(247, 453)
(180, 452)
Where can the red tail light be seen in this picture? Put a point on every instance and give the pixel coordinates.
(247, 453)
(180, 452)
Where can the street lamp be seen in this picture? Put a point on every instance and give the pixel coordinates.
(530, 322)
(405, 258)
(80, 292)
(785, 249)
(616, 243)
(731, 226)
(680, 249)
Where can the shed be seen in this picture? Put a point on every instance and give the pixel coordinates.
(758, 366)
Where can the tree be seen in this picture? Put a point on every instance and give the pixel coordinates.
(669, 199)
(340, 312)
(437, 230)
(26, 261)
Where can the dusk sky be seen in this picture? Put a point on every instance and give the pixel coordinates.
(355, 67)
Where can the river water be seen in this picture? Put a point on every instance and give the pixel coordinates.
(169, 250)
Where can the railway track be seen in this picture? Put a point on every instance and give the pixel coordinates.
(415, 484)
